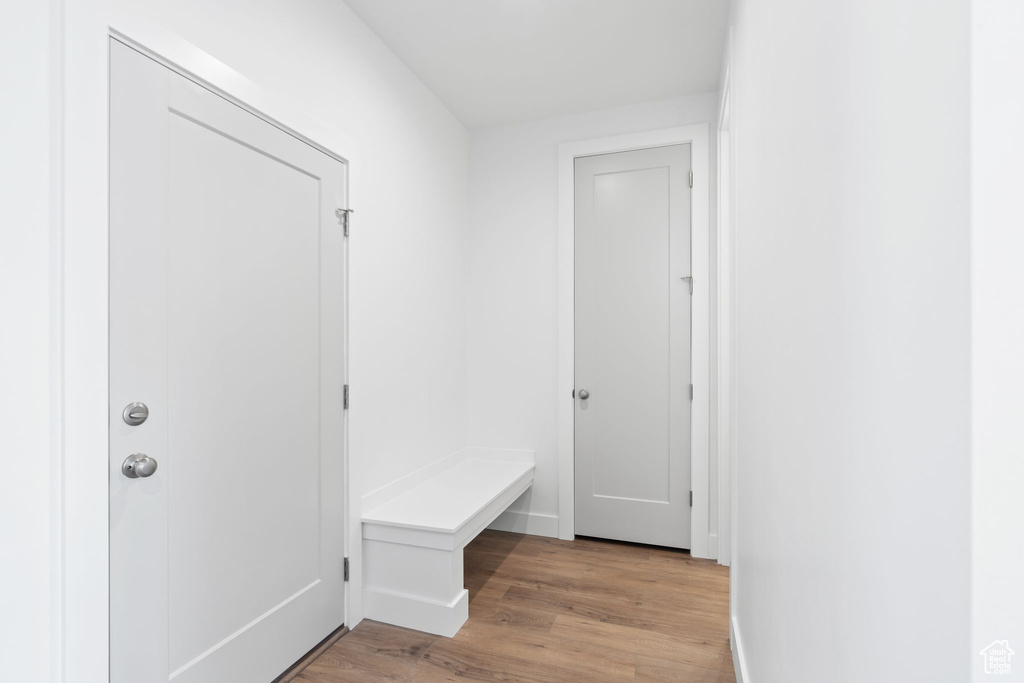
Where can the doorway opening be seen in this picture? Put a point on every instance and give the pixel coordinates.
(647, 183)
(633, 289)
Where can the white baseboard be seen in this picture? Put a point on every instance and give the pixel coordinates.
(416, 613)
(739, 662)
(527, 523)
(713, 546)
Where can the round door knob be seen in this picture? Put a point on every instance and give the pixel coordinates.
(584, 394)
(138, 465)
(135, 413)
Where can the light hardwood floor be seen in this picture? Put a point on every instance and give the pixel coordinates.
(547, 610)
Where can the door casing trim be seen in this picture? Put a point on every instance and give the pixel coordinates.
(81, 539)
(725, 308)
(697, 135)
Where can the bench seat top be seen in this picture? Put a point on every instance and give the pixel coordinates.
(448, 501)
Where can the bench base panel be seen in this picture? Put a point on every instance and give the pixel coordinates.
(416, 613)
(412, 544)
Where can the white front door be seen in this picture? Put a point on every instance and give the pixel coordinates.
(227, 323)
(632, 369)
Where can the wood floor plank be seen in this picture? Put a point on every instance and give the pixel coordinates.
(544, 610)
(371, 652)
(708, 652)
(514, 660)
(653, 670)
(664, 617)
(314, 654)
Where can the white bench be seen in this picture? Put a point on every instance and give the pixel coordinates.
(412, 543)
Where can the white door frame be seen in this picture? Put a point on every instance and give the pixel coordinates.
(726, 297)
(81, 540)
(697, 136)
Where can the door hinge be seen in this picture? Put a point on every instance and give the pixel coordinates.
(345, 398)
(691, 505)
(691, 178)
(346, 564)
(691, 392)
(689, 282)
(343, 216)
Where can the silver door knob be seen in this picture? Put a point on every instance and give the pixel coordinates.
(135, 413)
(584, 394)
(138, 465)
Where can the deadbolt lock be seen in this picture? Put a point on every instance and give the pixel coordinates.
(135, 413)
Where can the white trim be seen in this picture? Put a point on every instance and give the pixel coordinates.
(187, 59)
(726, 308)
(698, 136)
(532, 523)
(739, 660)
(82, 282)
(421, 614)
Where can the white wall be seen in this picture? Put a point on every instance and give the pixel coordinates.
(513, 278)
(997, 341)
(408, 244)
(27, 520)
(852, 331)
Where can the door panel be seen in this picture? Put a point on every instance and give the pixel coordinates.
(242, 309)
(633, 346)
(227, 313)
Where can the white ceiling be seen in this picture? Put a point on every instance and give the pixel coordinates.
(495, 62)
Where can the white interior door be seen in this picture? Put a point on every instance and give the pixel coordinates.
(632, 331)
(227, 322)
